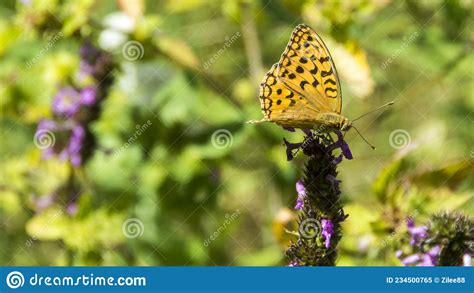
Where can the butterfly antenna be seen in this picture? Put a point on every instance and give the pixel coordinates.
(363, 138)
(370, 112)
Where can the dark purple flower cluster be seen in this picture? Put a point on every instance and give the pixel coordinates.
(417, 235)
(74, 106)
(426, 253)
(318, 200)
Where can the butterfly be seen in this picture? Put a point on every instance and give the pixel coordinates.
(303, 90)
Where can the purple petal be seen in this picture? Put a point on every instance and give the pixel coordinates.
(467, 260)
(72, 209)
(288, 128)
(300, 188)
(427, 261)
(346, 151)
(299, 204)
(301, 195)
(75, 145)
(44, 202)
(398, 253)
(88, 96)
(411, 259)
(337, 160)
(328, 230)
(417, 234)
(66, 102)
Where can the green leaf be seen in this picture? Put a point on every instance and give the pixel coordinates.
(450, 176)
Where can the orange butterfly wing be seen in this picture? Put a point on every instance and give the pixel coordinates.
(306, 67)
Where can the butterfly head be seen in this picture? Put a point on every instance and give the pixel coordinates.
(346, 124)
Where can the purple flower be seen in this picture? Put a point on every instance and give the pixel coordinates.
(75, 145)
(86, 71)
(294, 264)
(417, 233)
(88, 96)
(467, 260)
(412, 259)
(72, 208)
(44, 202)
(45, 137)
(67, 102)
(289, 128)
(430, 258)
(301, 195)
(340, 143)
(328, 230)
(65, 141)
(427, 259)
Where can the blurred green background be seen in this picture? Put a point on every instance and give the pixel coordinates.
(198, 186)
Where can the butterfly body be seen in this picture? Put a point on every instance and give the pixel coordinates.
(302, 90)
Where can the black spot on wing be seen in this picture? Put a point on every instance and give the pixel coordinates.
(331, 81)
(326, 73)
(303, 83)
(324, 59)
(330, 90)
